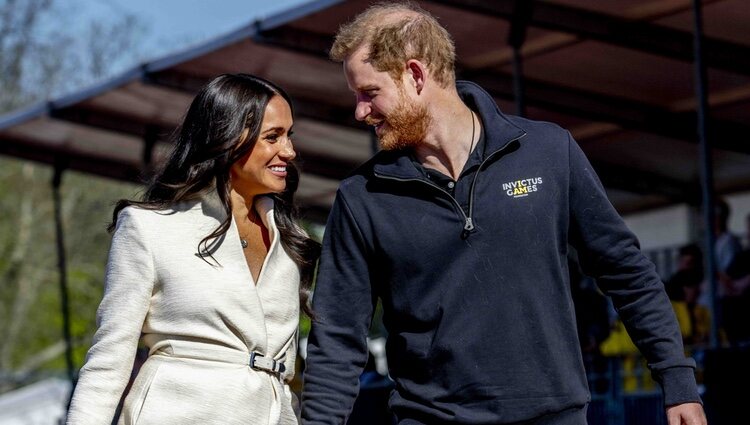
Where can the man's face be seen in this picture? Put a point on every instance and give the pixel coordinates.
(400, 121)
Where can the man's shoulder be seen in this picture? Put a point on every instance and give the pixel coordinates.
(178, 217)
(541, 139)
(536, 125)
(357, 179)
(492, 114)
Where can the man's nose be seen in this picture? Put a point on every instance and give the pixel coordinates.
(362, 110)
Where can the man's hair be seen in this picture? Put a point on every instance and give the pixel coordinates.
(410, 33)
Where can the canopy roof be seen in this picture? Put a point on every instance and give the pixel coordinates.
(618, 75)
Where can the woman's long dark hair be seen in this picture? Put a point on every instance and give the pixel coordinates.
(206, 145)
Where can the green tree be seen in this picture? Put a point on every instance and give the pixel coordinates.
(40, 57)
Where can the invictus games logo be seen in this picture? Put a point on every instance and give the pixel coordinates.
(521, 188)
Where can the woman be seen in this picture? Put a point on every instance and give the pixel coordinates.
(209, 271)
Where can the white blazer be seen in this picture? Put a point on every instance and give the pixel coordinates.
(200, 320)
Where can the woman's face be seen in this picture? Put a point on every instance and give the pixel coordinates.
(263, 169)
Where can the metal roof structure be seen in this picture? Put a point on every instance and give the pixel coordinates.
(618, 75)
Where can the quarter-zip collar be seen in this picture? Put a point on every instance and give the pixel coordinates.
(499, 132)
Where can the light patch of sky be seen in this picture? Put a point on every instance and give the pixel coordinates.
(65, 36)
(174, 25)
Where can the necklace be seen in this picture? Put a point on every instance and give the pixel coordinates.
(253, 219)
(471, 147)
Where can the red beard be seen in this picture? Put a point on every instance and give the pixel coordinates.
(406, 126)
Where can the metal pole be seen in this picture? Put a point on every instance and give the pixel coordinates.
(61, 264)
(518, 88)
(522, 10)
(707, 180)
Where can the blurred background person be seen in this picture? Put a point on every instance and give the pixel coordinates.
(735, 285)
(727, 245)
(593, 320)
(727, 249)
(684, 288)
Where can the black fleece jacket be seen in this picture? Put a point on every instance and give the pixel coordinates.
(476, 300)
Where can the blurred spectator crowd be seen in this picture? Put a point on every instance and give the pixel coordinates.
(603, 336)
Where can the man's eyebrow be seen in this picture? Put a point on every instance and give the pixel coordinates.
(368, 87)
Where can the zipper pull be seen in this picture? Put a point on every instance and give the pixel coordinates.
(468, 227)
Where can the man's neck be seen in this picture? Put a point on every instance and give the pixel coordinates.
(454, 132)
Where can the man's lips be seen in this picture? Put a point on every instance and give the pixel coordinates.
(376, 124)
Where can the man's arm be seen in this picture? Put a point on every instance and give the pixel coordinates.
(610, 253)
(343, 305)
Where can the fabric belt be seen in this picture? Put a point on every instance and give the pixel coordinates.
(260, 362)
(255, 360)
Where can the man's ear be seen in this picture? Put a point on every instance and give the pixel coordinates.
(416, 74)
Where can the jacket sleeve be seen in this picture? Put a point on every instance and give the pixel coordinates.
(611, 254)
(343, 305)
(129, 281)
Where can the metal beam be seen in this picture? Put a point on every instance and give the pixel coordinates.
(624, 112)
(628, 113)
(519, 25)
(311, 162)
(299, 41)
(575, 102)
(611, 175)
(636, 35)
(83, 163)
(645, 183)
(91, 116)
(303, 106)
(118, 123)
(707, 172)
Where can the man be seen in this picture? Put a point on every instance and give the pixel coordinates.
(727, 251)
(684, 291)
(461, 227)
(734, 279)
(727, 245)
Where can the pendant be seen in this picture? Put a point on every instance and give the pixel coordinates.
(244, 243)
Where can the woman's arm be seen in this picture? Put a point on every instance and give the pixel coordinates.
(129, 281)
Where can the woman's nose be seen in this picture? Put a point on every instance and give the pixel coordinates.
(287, 150)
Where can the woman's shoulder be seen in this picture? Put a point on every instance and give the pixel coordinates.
(157, 216)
